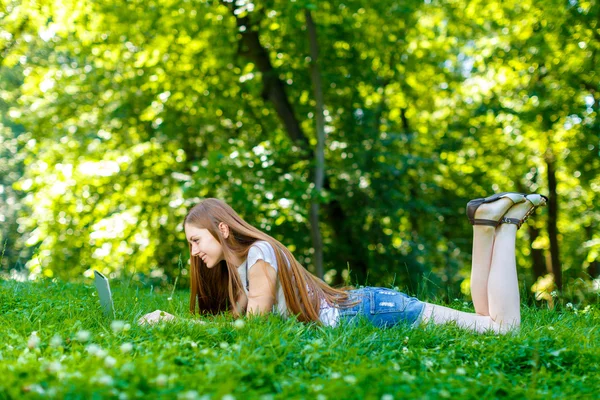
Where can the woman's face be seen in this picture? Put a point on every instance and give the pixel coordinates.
(204, 245)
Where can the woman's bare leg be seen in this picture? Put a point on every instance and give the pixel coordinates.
(503, 284)
(440, 315)
(483, 246)
(502, 287)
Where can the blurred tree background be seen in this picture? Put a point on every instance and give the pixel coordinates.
(116, 117)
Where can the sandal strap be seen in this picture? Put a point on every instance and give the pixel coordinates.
(487, 222)
(517, 222)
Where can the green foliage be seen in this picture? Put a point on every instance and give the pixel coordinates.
(117, 123)
(75, 352)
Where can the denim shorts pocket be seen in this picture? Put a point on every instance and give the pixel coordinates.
(355, 296)
(387, 301)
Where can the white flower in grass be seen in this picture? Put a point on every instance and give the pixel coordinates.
(407, 377)
(93, 349)
(110, 362)
(126, 347)
(101, 353)
(117, 326)
(224, 345)
(56, 341)
(194, 344)
(83, 336)
(189, 395)
(387, 397)
(35, 388)
(76, 374)
(461, 371)
(336, 375)
(321, 397)
(317, 388)
(128, 367)
(105, 380)
(228, 397)
(123, 396)
(34, 341)
(351, 379)
(161, 380)
(405, 350)
(127, 327)
(239, 323)
(587, 309)
(54, 367)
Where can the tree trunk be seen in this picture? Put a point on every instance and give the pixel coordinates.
(553, 218)
(273, 87)
(538, 259)
(320, 153)
(274, 91)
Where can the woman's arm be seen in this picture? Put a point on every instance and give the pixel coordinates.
(261, 293)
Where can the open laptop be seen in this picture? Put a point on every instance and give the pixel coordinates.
(108, 307)
(104, 294)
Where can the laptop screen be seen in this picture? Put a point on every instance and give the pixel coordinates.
(104, 294)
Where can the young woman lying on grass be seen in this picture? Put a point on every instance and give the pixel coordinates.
(232, 262)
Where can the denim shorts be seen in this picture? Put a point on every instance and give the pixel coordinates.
(383, 307)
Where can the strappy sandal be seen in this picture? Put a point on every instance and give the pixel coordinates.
(473, 205)
(538, 200)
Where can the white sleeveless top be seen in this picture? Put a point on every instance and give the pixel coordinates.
(262, 250)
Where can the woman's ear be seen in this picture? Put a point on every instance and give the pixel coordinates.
(224, 229)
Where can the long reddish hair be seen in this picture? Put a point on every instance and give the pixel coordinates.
(214, 290)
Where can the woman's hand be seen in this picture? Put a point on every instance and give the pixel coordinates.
(155, 317)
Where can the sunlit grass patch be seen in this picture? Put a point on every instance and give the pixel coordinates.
(55, 342)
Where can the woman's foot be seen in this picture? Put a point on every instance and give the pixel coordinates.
(519, 213)
(494, 211)
(490, 210)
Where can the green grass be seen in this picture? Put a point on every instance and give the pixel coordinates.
(555, 355)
